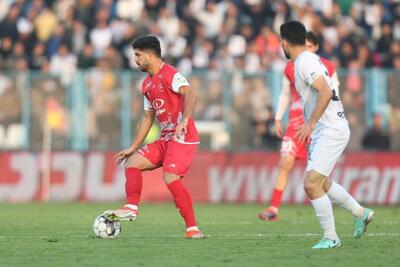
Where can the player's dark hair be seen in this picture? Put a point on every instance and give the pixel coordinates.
(312, 38)
(148, 42)
(294, 32)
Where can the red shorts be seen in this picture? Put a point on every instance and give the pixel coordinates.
(174, 157)
(292, 146)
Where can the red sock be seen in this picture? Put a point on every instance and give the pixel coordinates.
(276, 198)
(183, 202)
(133, 185)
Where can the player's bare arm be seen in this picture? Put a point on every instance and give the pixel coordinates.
(144, 128)
(324, 97)
(190, 103)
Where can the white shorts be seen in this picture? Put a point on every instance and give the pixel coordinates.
(327, 144)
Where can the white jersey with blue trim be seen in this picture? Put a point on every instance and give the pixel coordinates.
(308, 67)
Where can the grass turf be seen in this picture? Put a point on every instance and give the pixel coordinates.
(61, 235)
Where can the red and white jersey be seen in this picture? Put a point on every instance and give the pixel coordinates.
(161, 94)
(296, 116)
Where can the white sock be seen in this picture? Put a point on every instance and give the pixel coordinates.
(131, 206)
(324, 212)
(340, 196)
(192, 228)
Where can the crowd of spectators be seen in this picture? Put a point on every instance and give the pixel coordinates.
(239, 36)
(62, 35)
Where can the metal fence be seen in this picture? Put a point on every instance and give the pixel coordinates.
(100, 109)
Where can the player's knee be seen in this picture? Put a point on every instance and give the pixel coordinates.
(169, 178)
(311, 185)
(327, 185)
(132, 163)
(136, 162)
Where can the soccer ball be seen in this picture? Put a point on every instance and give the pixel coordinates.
(105, 228)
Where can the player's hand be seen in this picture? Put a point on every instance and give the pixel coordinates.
(181, 128)
(123, 155)
(303, 134)
(278, 128)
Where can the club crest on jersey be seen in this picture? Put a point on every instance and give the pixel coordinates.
(157, 105)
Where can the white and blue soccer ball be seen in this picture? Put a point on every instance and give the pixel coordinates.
(105, 228)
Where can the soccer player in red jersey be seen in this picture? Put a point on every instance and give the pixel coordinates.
(169, 97)
(291, 148)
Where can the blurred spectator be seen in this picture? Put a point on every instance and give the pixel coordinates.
(59, 36)
(6, 48)
(113, 58)
(79, 32)
(130, 9)
(64, 64)
(10, 102)
(4, 6)
(38, 58)
(85, 11)
(262, 115)
(211, 17)
(86, 58)
(45, 24)
(213, 102)
(101, 35)
(383, 44)
(376, 138)
(18, 53)
(265, 137)
(8, 26)
(393, 54)
(104, 101)
(153, 7)
(267, 41)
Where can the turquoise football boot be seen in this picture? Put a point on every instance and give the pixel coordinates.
(326, 243)
(362, 223)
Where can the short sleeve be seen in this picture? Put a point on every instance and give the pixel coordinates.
(147, 104)
(178, 81)
(311, 69)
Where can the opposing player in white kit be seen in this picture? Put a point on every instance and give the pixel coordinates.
(327, 130)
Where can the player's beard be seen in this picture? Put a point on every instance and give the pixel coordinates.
(143, 67)
(287, 55)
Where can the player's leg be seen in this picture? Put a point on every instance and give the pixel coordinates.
(362, 216)
(324, 151)
(313, 186)
(176, 165)
(147, 158)
(286, 164)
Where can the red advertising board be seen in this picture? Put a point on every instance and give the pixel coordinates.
(214, 177)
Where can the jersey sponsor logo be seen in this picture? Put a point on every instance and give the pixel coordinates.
(158, 103)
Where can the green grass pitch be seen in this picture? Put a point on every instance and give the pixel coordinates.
(61, 235)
